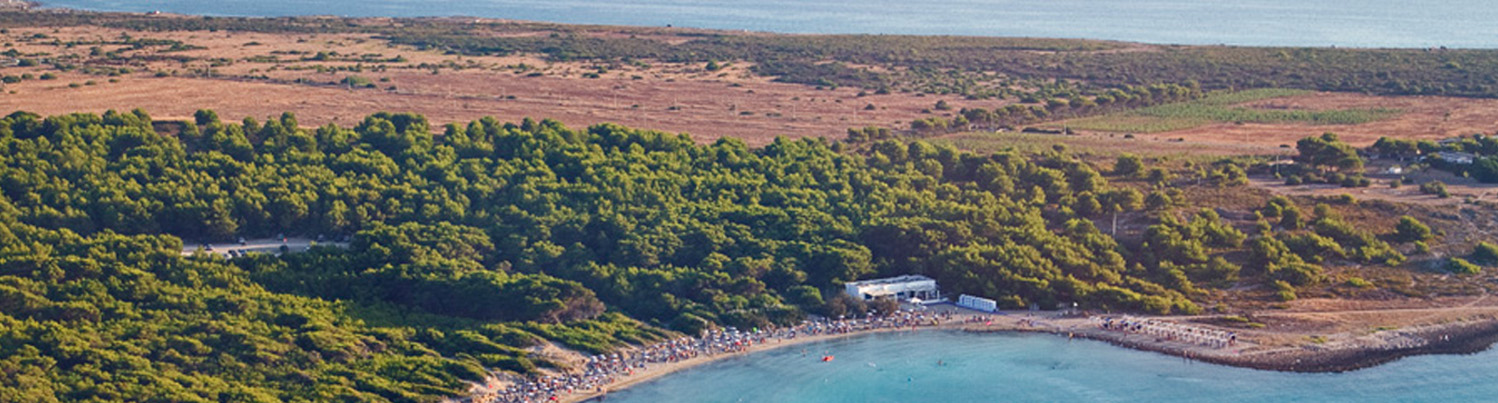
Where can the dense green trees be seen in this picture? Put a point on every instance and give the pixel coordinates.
(1326, 159)
(1328, 152)
(111, 317)
(706, 230)
(470, 245)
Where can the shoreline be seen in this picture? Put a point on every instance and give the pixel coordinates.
(1293, 42)
(1450, 339)
(1444, 339)
(661, 370)
(1460, 338)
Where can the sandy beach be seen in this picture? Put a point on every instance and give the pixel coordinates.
(1263, 350)
(659, 370)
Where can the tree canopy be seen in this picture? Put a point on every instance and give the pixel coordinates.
(470, 245)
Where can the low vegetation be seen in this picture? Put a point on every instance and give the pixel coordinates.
(971, 66)
(1222, 108)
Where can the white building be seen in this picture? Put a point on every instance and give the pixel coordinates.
(902, 288)
(977, 303)
(1457, 157)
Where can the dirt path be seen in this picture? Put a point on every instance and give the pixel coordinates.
(262, 245)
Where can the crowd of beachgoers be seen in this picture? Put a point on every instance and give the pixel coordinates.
(602, 370)
(1170, 331)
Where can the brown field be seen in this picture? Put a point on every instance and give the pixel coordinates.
(261, 75)
(258, 75)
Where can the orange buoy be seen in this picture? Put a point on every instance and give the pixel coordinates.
(826, 358)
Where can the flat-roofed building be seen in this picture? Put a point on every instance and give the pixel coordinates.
(903, 288)
(977, 303)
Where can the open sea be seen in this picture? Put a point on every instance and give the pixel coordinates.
(1012, 367)
(1351, 23)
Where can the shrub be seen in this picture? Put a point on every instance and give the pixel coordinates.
(1128, 165)
(1284, 291)
(1358, 282)
(1228, 175)
(1355, 181)
(1462, 266)
(1435, 188)
(357, 82)
(1158, 176)
(1291, 218)
(1410, 229)
(1485, 253)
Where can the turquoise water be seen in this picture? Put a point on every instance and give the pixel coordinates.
(1360, 23)
(902, 367)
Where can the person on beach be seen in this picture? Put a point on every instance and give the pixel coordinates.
(600, 370)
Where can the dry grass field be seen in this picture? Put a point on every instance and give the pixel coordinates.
(243, 74)
(258, 75)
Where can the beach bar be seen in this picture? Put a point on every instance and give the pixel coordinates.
(977, 303)
(903, 288)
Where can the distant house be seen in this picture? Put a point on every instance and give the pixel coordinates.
(901, 288)
(1458, 158)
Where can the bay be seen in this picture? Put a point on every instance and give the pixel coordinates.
(949, 366)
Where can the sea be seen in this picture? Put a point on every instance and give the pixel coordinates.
(953, 366)
(1345, 23)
